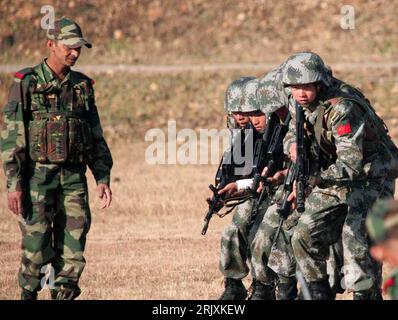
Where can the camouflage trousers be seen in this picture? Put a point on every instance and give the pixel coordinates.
(327, 218)
(334, 267)
(318, 227)
(271, 251)
(235, 241)
(361, 271)
(54, 225)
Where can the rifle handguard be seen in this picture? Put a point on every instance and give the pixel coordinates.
(300, 197)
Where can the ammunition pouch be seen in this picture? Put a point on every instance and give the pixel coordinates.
(59, 137)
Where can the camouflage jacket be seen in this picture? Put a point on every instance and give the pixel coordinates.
(26, 97)
(391, 285)
(353, 149)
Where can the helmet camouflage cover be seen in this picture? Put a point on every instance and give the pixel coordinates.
(234, 93)
(249, 101)
(381, 220)
(305, 68)
(271, 94)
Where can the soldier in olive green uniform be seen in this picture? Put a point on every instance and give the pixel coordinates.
(382, 225)
(51, 132)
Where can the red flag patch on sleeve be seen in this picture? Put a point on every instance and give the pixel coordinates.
(389, 283)
(344, 129)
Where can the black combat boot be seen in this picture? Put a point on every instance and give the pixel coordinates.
(234, 290)
(371, 294)
(70, 292)
(287, 290)
(262, 291)
(320, 290)
(28, 295)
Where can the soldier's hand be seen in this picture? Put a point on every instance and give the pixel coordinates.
(278, 177)
(229, 189)
(104, 194)
(293, 151)
(261, 185)
(15, 202)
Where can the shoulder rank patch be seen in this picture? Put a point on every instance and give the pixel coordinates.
(19, 75)
(22, 73)
(344, 129)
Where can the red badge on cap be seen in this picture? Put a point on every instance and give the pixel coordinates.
(344, 129)
(389, 283)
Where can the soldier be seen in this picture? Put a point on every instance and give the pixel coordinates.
(382, 225)
(266, 94)
(343, 255)
(351, 158)
(235, 117)
(240, 97)
(51, 131)
(271, 258)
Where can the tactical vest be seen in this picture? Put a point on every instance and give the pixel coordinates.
(58, 126)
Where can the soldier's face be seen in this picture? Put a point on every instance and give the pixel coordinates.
(258, 120)
(240, 119)
(304, 93)
(63, 54)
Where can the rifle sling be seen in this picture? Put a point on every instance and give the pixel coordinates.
(236, 201)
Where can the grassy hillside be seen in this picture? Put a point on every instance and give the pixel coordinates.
(170, 31)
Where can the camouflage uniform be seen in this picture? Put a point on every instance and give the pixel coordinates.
(51, 131)
(233, 259)
(349, 265)
(354, 164)
(273, 261)
(382, 225)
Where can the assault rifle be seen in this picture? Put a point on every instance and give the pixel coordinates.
(268, 153)
(285, 206)
(302, 168)
(226, 173)
(297, 172)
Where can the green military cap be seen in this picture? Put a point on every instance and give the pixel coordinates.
(379, 221)
(68, 32)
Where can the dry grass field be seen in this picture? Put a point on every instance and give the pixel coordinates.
(148, 244)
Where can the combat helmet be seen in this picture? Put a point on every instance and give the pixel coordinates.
(249, 101)
(271, 94)
(382, 219)
(305, 68)
(234, 93)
